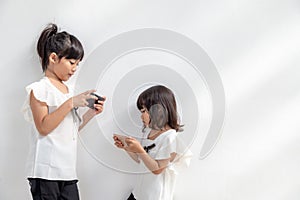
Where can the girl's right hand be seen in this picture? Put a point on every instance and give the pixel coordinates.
(81, 99)
(118, 142)
(133, 145)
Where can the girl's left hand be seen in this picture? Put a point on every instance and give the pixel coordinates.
(98, 107)
(90, 113)
(133, 145)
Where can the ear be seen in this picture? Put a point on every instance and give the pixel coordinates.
(53, 58)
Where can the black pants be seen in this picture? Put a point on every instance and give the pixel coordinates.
(42, 189)
(131, 197)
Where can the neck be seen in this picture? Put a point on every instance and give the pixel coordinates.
(155, 133)
(51, 75)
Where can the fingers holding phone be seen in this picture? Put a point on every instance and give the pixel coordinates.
(120, 140)
(96, 102)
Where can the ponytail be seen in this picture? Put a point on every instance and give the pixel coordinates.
(61, 43)
(49, 31)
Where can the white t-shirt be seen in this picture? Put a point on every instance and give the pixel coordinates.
(161, 187)
(51, 157)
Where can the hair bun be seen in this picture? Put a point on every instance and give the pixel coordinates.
(52, 29)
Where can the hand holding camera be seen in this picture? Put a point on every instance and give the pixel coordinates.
(80, 100)
(93, 101)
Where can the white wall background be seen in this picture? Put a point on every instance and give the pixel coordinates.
(255, 46)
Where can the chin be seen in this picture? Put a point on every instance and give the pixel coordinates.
(66, 78)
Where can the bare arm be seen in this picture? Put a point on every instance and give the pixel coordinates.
(134, 156)
(155, 166)
(46, 122)
(137, 153)
(120, 145)
(90, 113)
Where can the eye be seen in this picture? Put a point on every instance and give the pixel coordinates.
(74, 62)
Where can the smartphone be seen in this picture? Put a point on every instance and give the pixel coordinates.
(93, 101)
(122, 139)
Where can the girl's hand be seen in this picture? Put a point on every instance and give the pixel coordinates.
(99, 106)
(81, 99)
(98, 109)
(118, 142)
(133, 145)
(90, 113)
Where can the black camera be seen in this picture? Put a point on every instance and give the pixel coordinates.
(93, 101)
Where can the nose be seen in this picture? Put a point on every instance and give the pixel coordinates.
(74, 68)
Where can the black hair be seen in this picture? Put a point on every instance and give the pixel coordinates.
(161, 104)
(61, 43)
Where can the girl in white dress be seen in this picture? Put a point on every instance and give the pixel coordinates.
(160, 151)
(51, 109)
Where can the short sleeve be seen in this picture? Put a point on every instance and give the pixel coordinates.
(173, 144)
(182, 159)
(166, 146)
(41, 92)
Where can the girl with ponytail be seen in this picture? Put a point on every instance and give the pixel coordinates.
(51, 107)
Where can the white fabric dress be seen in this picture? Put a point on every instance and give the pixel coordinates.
(51, 157)
(161, 187)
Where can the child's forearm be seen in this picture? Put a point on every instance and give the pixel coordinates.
(134, 156)
(156, 167)
(88, 115)
(150, 163)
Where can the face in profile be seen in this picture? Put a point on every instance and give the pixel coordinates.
(145, 117)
